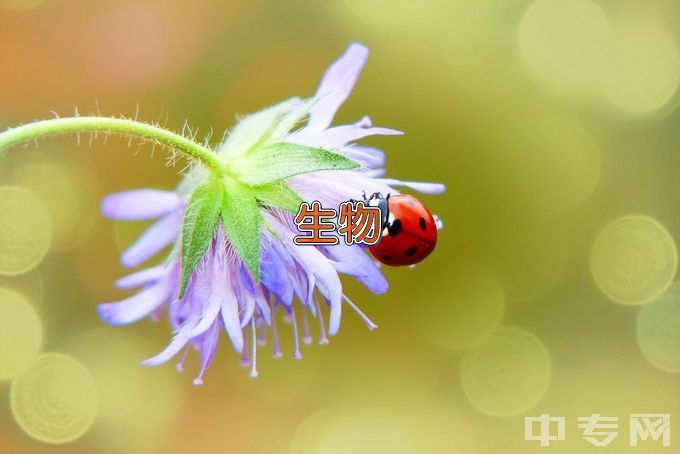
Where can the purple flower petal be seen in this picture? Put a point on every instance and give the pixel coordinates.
(263, 305)
(140, 204)
(175, 345)
(142, 277)
(340, 136)
(354, 261)
(246, 280)
(424, 187)
(274, 272)
(159, 235)
(367, 156)
(313, 261)
(208, 346)
(230, 316)
(248, 308)
(136, 307)
(210, 310)
(333, 188)
(374, 173)
(337, 85)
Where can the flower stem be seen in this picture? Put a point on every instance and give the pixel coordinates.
(92, 124)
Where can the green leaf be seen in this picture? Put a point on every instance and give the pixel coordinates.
(280, 160)
(200, 221)
(278, 195)
(256, 128)
(241, 220)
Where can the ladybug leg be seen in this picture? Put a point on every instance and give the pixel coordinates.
(363, 196)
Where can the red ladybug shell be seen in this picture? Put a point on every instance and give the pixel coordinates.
(411, 233)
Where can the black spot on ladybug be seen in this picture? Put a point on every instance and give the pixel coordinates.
(410, 251)
(394, 228)
(422, 224)
(386, 257)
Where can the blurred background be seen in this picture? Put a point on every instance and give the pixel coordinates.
(553, 124)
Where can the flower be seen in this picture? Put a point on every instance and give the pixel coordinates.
(248, 273)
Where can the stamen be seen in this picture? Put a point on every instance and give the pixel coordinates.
(198, 381)
(245, 361)
(297, 354)
(262, 336)
(180, 364)
(323, 339)
(363, 316)
(275, 335)
(306, 334)
(253, 341)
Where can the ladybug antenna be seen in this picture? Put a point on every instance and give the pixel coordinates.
(361, 315)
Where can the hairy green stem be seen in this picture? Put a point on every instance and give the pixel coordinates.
(38, 129)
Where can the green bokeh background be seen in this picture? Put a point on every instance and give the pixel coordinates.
(520, 121)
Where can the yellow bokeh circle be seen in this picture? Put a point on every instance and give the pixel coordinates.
(507, 374)
(67, 191)
(30, 285)
(124, 423)
(55, 399)
(658, 330)
(564, 43)
(20, 333)
(25, 230)
(634, 259)
(354, 431)
(644, 69)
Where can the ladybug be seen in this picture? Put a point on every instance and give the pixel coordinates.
(409, 230)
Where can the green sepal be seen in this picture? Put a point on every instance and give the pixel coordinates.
(294, 117)
(241, 220)
(281, 160)
(278, 195)
(257, 128)
(198, 228)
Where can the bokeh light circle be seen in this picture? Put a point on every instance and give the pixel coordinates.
(644, 69)
(564, 42)
(55, 399)
(25, 230)
(66, 190)
(30, 285)
(507, 374)
(124, 422)
(468, 308)
(357, 431)
(20, 333)
(634, 260)
(658, 330)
